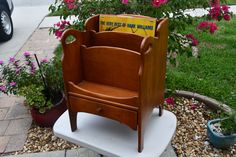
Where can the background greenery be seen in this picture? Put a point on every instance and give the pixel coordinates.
(231, 1)
(214, 73)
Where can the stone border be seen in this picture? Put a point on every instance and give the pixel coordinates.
(212, 103)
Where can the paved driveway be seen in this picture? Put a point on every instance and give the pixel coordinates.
(27, 15)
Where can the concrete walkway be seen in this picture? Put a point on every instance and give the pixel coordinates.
(15, 121)
(82, 152)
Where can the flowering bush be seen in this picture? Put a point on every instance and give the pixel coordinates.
(40, 86)
(207, 26)
(172, 9)
(194, 41)
(59, 28)
(158, 3)
(84, 9)
(216, 12)
(71, 4)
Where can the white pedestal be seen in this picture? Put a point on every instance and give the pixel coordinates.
(113, 139)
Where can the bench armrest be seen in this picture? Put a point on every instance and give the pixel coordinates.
(71, 65)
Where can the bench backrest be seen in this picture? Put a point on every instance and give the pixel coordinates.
(112, 66)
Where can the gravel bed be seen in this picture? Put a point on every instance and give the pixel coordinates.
(42, 140)
(190, 139)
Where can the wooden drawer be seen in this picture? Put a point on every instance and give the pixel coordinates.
(125, 116)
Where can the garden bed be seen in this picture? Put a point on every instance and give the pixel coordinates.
(191, 134)
(190, 138)
(213, 73)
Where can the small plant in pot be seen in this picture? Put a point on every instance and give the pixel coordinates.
(222, 132)
(40, 82)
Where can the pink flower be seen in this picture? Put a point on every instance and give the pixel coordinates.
(27, 63)
(71, 6)
(57, 24)
(170, 101)
(65, 22)
(225, 8)
(18, 70)
(194, 40)
(58, 33)
(26, 54)
(215, 12)
(12, 59)
(45, 60)
(16, 63)
(60, 27)
(1, 62)
(215, 3)
(213, 27)
(218, 12)
(2, 88)
(32, 65)
(190, 36)
(202, 25)
(193, 106)
(125, 1)
(12, 84)
(158, 3)
(227, 17)
(69, 1)
(32, 68)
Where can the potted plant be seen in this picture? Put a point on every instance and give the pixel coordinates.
(222, 132)
(40, 83)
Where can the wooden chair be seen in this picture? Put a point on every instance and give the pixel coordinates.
(120, 76)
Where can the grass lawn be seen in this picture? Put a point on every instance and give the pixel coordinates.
(214, 73)
(231, 1)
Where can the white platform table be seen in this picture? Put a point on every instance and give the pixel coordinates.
(113, 139)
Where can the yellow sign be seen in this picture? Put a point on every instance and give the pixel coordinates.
(144, 26)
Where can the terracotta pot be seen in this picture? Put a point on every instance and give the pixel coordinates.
(48, 118)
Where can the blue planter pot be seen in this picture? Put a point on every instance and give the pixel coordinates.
(219, 141)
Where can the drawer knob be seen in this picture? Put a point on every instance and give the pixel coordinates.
(99, 109)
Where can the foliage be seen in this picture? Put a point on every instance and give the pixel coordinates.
(228, 124)
(35, 97)
(218, 12)
(84, 9)
(174, 10)
(213, 74)
(231, 2)
(40, 86)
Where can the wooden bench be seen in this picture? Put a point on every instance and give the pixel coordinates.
(116, 75)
